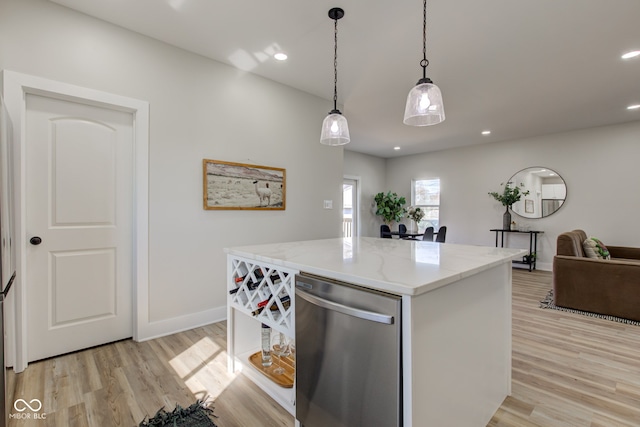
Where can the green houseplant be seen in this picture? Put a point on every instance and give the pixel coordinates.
(508, 197)
(530, 258)
(390, 207)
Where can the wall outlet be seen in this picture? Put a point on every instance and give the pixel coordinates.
(328, 204)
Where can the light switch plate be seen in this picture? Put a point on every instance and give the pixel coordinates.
(328, 204)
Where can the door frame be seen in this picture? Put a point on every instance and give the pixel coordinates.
(356, 209)
(15, 86)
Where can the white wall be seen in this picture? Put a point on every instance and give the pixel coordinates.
(199, 109)
(371, 172)
(599, 165)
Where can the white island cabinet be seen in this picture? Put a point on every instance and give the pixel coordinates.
(456, 317)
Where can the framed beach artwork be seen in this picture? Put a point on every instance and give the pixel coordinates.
(240, 186)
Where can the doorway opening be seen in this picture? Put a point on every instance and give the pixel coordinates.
(350, 207)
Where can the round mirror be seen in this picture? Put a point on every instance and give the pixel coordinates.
(547, 192)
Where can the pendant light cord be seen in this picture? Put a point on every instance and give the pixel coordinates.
(335, 66)
(424, 63)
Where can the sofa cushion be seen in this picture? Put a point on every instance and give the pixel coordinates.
(594, 248)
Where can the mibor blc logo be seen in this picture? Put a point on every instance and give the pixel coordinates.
(26, 410)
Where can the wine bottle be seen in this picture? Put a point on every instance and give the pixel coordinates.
(265, 302)
(250, 286)
(275, 278)
(266, 346)
(258, 274)
(286, 303)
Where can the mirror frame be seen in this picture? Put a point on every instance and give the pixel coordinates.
(524, 200)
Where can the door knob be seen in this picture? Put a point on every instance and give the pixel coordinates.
(35, 240)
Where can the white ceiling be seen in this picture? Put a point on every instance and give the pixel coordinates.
(517, 67)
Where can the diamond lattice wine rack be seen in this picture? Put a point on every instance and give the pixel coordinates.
(265, 292)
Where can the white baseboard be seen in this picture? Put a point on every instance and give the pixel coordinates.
(174, 325)
(544, 266)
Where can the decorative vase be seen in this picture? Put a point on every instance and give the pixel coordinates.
(506, 220)
(415, 230)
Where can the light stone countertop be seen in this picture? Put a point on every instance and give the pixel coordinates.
(403, 267)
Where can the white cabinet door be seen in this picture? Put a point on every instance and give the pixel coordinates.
(554, 191)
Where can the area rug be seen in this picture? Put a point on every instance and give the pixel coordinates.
(197, 415)
(547, 302)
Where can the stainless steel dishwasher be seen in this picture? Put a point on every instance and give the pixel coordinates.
(348, 355)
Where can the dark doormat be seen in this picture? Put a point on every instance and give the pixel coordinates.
(197, 415)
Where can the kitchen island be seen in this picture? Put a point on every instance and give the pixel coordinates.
(455, 316)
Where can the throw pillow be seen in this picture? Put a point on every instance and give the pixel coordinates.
(594, 248)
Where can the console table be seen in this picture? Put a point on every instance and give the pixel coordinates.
(530, 259)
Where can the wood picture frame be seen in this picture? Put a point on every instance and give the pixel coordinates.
(241, 186)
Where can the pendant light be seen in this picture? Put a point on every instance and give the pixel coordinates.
(335, 130)
(424, 103)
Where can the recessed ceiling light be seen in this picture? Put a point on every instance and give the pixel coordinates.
(396, 148)
(486, 132)
(633, 107)
(631, 54)
(280, 56)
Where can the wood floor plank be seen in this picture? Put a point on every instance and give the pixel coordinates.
(569, 366)
(568, 370)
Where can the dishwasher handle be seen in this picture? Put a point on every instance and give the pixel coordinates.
(344, 309)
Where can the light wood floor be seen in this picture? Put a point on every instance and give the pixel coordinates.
(568, 370)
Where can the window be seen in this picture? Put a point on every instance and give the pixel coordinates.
(425, 194)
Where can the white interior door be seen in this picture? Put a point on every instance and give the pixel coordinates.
(79, 219)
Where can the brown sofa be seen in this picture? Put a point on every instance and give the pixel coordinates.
(610, 287)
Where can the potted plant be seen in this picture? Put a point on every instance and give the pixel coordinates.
(390, 207)
(510, 194)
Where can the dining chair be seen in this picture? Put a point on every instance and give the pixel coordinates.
(385, 231)
(442, 234)
(428, 234)
(402, 231)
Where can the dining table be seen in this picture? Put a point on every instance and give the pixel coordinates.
(406, 233)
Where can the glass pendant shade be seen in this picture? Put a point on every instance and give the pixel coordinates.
(335, 130)
(424, 105)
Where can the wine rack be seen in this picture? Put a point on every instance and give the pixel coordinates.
(263, 291)
(258, 292)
